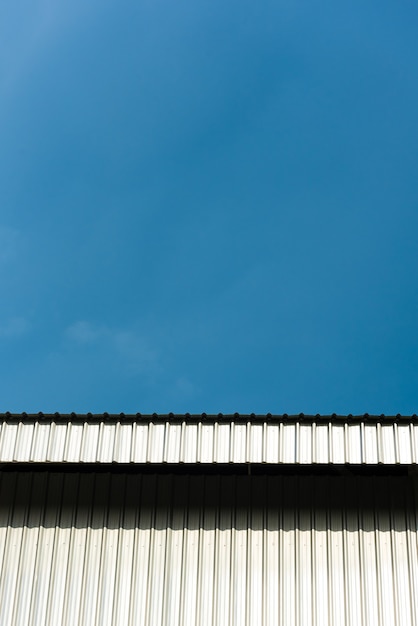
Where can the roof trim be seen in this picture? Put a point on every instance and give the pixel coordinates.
(202, 417)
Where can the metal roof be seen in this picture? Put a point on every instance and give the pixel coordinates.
(143, 550)
(295, 439)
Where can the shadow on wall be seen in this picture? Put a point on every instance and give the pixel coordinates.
(270, 503)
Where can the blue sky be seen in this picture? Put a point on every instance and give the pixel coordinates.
(209, 206)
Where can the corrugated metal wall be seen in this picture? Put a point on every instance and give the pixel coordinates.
(116, 549)
(355, 442)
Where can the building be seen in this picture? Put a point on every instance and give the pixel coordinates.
(204, 520)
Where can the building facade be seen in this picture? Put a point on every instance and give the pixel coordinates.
(200, 520)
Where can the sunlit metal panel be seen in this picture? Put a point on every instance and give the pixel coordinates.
(177, 550)
(250, 440)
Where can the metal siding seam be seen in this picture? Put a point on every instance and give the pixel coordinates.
(288, 573)
(150, 443)
(12, 430)
(321, 443)
(223, 543)
(69, 550)
(338, 442)
(271, 558)
(190, 582)
(414, 437)
(239, 440)
(40, 442)
(108, 561)
(123, 580)
(305, 439)
(304, 553)
(118, 450)
(388, 443)
(230, 443)
(73, 442)
(412, 552)
(9, 435)
(182, 442)
(396, 442)
(42, 569)
(255, 552)
(206, 441)
(56, 442)
(11, 562)
(189, 451)
(247, 452)
(289, 443)
(380, 444)
(157, 555)
(256, 443)
(404, 444)
(354, 443)
(352, 556)
(264, 444)
(123, 443)
(239, 557)
(368, 561)
(370, 454)
(401, 567)
(347, 458)
(282, 570)
(207, 553)
(281, 442)
(329, 432)
(363, 443)
(89, 443)
(140, 443)
(91, 574)
(106, 445)
(174, 557)
(30, 540)
(155, 452)
(8, 489)
(272, 443)
(395, 537)
(172, 443)
(222, 443)
(365, 449)
(199, 442)
(320, 566)
(297, 443)
(23, 441)
(336, 556)
(384, 559)
(7, 494)
(412, 443)
(141, 563)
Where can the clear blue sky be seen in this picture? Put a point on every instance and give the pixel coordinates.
(209, 206)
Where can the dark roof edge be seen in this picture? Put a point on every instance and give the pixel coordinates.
(201, 417)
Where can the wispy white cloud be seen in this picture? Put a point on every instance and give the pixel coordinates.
(128, 345)
(83, 332)
(13, 327)
(184, 387)
(42, 24)
(9, 244)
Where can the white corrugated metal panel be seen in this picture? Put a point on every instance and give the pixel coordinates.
(212, 441)
(111, 549)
